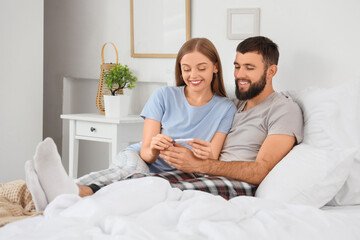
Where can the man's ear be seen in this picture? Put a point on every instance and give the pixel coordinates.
(271, 71)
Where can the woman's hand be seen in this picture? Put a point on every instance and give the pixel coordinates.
(201, 149)
(160, 142)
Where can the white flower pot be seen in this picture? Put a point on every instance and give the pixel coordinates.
(116, 106)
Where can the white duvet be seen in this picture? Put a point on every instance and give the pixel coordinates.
(148, 208)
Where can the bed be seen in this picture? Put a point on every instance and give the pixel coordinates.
(313, 193)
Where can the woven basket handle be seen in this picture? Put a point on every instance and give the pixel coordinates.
(102, 53)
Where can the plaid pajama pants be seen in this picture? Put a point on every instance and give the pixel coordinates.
(129, 165)
(124, 165)
(216, 185)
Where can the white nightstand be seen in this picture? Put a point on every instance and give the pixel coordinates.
(96, 127)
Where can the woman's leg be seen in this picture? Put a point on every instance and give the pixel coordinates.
(50, 171)
(55, 181)
(103, 177)
(125, 164)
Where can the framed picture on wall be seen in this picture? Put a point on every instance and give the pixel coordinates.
(243, 23)
(159, 27)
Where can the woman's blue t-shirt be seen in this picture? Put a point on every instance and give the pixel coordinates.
(179, 119)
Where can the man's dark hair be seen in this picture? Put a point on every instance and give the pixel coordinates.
(262, 45)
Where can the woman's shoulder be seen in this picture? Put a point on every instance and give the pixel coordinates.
(225, 103)
(223, 100)
(170, 89)
(166, 91)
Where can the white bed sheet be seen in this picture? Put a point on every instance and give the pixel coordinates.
(149, 208)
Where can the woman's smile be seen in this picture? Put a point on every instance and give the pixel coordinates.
(195, 82)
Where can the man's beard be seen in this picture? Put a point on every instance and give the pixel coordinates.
(254, 89)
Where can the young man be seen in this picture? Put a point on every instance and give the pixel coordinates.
(265, 128)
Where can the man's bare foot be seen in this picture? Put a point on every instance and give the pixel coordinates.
(85, 191)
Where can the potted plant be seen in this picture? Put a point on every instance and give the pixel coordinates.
(117, 79)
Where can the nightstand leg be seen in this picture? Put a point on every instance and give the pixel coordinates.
(73, 151)
(112, 150)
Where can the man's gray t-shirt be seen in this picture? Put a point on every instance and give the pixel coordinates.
(277, 114)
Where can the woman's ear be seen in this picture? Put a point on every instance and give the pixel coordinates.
(216, 68)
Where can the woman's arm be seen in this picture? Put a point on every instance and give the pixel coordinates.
(153, 141)
(217, 143)
(208, 150)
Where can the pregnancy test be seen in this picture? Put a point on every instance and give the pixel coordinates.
(184, 140)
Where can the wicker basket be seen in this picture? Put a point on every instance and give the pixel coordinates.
(102, 88)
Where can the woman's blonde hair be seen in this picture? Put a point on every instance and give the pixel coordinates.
(207, 48)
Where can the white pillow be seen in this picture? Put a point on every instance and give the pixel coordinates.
(307, 175)
(331, 115)
(349, 194)
(332, 119)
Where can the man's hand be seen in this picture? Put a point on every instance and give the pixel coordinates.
(201, 149)
(182, 158)
(274, 148)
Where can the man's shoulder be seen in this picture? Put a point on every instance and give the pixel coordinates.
(285, 117)
(275, 101)
(284, 102)
(278, 105)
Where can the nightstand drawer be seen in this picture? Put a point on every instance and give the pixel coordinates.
(93, 129)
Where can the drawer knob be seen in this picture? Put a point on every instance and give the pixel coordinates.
(92, 129)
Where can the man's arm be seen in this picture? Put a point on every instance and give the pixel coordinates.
(274, 148)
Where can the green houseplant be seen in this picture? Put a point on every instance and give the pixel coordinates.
(116, 79)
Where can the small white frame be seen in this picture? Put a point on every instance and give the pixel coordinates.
(243, 23)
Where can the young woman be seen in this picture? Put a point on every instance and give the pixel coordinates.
(196, 108)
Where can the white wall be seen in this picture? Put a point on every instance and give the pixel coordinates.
(318, 40)
(318, 43)
(75, 32)
(21, 84)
